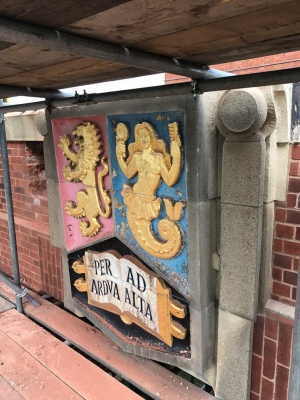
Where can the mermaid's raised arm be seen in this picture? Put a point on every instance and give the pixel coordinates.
(128, 169)
(172, 174)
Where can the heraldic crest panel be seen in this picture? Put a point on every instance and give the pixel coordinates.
(129, 211)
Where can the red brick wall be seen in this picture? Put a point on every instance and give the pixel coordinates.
(172, 78)
(271, 358)
(262, 64)
(255, 65)
(40, 263)
(287, 236)
(273, 334)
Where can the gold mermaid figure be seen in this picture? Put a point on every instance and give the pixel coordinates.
(149, 159)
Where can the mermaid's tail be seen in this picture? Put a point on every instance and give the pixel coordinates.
(170, 231)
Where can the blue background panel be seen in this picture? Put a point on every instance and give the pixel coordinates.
(174, 270)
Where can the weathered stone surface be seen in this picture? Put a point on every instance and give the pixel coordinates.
(277, 155)
(49, 153)
(40, 122)
(241, 230)
(55, 216)
(283, 106)
(266, 256)
(203, 326)
(202, 245)
(221, 141)
(271, 168)
(202, 149)
(242, 112)
(282, 170)
(243, 172)
(22, 127)
(234, 354)
(281, 310)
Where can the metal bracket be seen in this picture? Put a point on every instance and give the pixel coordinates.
(22, 294)
(83, 98)
(49, 106)
(194, 90)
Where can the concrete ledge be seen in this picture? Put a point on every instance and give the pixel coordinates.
(280, 311)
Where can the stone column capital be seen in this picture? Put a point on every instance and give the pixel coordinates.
(242, 112)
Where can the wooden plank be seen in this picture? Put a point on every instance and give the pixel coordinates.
(8, 392)
(260, 49)
(24, 371)
(145, 374)
(7, 293)
(4, 45)
(54, 13)
(74, 72)
(72, 368)
(23, 58)
(204, 32)
(152, 19)
(238, 33)
(5, 305)
(217, 37)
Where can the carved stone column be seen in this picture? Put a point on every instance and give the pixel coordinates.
(245, 118)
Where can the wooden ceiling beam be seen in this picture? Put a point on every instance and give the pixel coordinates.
(12, 31)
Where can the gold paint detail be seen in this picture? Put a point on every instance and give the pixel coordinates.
(177, 309)
(95, 200)
(81, 285)
(126, 319)
(79, 267)
(178, 331)
(150, 161)
(124, 286)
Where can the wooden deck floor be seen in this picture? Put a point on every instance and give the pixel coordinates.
(35, 364)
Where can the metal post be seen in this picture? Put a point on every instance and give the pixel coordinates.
(12, 90)
(294, 386)
(10, 211)
(20, 292)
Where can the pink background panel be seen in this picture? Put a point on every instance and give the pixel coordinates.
(69, 190)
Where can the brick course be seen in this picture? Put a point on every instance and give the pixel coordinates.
(270, 365)
(37, 258)
(272, 342)
(262, 64)
(287, 230)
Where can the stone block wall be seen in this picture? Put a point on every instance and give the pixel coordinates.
(40, 263)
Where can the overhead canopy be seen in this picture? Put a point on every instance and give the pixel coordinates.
(186, 35)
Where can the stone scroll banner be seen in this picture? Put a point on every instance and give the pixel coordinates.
(124, 286)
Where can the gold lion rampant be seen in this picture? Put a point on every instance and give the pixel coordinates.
(150, 161)
(82, 168)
